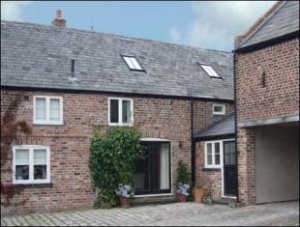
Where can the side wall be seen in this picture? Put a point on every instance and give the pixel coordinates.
(280, 96)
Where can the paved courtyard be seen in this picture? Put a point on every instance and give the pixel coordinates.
(175, 214)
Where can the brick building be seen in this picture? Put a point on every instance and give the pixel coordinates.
(73, 79)
(266, 64)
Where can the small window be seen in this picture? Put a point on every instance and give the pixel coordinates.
(218, 109)
(132, 63)
(31, 164)
(213, 155)
(120, 111)
(210, 71)
(47, 110)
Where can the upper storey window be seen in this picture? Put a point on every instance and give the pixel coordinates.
(132, 63)
(47, 110)
(210, 71)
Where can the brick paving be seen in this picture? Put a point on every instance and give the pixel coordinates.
(175, 214)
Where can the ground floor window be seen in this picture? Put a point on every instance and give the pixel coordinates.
(31, 164)
(152, 173)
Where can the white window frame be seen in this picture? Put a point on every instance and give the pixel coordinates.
(213, 165)
(31, 149)
(47, 121)
(132, 63)
(120, 107)
(219, 113)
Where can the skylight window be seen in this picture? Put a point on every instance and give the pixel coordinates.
(133, 63)
(210, 71)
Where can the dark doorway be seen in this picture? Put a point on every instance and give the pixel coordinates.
(152, 173)
(230, 169)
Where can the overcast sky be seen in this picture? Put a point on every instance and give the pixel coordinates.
(205, 24)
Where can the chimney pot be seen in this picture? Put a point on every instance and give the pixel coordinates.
(59, 21)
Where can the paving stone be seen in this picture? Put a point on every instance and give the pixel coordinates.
(175, 214)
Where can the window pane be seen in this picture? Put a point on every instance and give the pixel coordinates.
(135, 63)
(164, 174)
(126, 111)
(22, 172)
(40, 109)
(54, 109)
(40, 157)
(129, 62)
(40, 172)
(114, 111)
(218, 109)
(209, 154)
(22, 157)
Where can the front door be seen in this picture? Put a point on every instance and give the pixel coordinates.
(152, 173)
(230, 169)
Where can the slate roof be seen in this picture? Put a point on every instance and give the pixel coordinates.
(39, 56)
(283, 21)
(221, 128)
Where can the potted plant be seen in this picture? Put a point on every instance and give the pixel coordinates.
(183, 181)
(199, 193)
(125, 194)
(183, 192)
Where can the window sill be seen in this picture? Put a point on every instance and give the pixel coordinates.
(211, 169)
(34, 185)
(47, 124)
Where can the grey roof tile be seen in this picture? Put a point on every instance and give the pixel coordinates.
(285, 20)
(40, 56)
(223, 127)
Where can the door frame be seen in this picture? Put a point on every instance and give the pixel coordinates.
(154, 139)
(222, 169)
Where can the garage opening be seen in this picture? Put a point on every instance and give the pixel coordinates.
(277, 163)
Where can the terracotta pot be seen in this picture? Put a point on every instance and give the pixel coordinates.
(181, 198)
(199, 194)
(125, 202)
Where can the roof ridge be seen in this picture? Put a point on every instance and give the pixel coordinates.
(258, 24)
(117, 35)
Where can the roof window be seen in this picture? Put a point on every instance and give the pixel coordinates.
(210, 71)
(132, 63)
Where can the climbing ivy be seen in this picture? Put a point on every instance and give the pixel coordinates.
(112, 161)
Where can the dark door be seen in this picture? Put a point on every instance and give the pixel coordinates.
(152, 173)
(230, 169)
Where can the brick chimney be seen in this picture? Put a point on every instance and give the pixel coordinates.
(59, 21)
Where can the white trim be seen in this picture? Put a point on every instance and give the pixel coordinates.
(120, 123)
(219, 105)
(47, 121)
(152, 195)
(31, 149)
(213, 165)
(154, 139)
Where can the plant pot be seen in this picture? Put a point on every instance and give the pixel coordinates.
(125, 202)
(181, 198)
(199, 194)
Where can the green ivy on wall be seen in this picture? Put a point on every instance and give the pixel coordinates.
(112, 161)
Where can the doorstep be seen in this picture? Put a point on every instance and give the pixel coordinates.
(155, 199)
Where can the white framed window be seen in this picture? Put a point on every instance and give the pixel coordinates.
(213, 154)
(47, 110)
(219, 109)
(120, 111)
(31, 164)
(210, 71)
(132, 63)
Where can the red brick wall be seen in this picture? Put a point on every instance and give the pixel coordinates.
(69, 143)
(204, 178)
(280, 63)
(203, 116)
